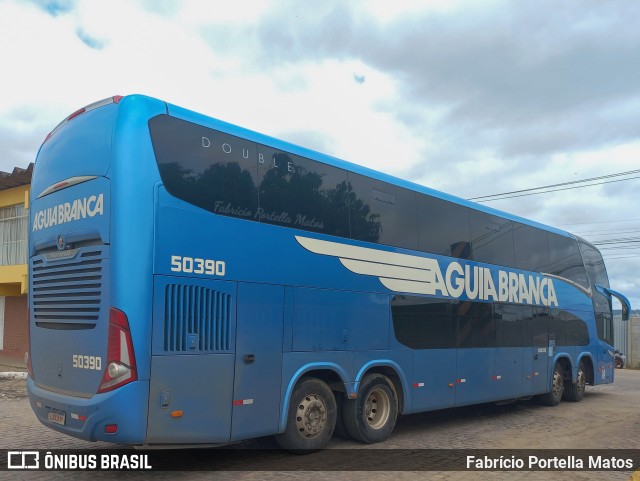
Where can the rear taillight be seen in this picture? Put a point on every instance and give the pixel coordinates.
(121, 362)
(110, 100)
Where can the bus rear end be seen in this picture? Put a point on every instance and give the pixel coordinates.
(83, 377)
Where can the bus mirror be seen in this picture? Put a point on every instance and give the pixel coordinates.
(626, 305)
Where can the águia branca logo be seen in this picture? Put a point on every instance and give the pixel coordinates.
(424, 275)
(68, 212)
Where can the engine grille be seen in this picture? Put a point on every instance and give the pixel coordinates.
(67, 288)
(196, 319)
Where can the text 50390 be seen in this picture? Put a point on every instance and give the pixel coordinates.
(190, 265)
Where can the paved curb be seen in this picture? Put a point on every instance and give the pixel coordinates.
(13, 375)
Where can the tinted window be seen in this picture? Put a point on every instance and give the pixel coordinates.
(476, 327)
(381, 212)
(539, 327)
(531, 248)
(206, 168)
(597, 273)
(556, 327)
(604, 326)
(423, 323)
(511, 324)
(565, 260)
(492, 239)
(594, 264)
(301, 193)
(575, 330)
(444, 227)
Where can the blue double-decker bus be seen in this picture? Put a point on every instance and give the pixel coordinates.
(196, 283)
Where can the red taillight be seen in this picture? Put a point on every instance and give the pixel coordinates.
(76, 113)
(120, 368)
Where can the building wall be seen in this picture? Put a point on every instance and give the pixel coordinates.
(15, 326)
(14, 285)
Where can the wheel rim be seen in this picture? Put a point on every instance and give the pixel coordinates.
(557, 385)
(311, 417)
(377, 408)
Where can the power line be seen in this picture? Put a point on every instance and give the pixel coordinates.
(526, 192)
(621, 257)
(600, 222)
(607, 232)
(558, 190)
(622, 240)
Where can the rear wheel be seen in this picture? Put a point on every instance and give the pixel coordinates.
(553, 397)
(575, 391)
(311, 417)
(371, 417)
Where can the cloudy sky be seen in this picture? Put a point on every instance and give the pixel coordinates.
(471, 98)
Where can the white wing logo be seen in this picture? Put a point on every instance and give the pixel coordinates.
(423, 275)
(398, 272)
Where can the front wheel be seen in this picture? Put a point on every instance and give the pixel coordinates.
(575, 391)
(554, 397)
(311, 417)
(371, 417)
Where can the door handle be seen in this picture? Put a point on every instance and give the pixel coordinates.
(249, 358)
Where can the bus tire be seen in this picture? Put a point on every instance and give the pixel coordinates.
(553, 397)
(371, 417)
(575, 391)
(311, 418)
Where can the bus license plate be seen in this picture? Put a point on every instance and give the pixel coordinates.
(56, 417)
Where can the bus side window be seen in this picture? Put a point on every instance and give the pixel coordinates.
(531, 248)
(511, 324)
(443, 227)
(565, 260)
(476, 326)
(492, 239)
(382, 213)
(300, 193)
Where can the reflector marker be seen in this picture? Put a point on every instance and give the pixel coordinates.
(496, 378)
(460, 381)
(418, 384)
(242, 402)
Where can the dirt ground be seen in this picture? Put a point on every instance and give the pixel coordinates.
(607, 419)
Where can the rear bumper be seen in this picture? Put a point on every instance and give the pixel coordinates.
(86, 418)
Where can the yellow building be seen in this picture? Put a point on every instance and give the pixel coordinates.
(14, 281)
